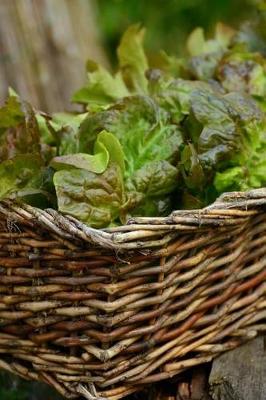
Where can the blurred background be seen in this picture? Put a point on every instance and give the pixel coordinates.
(44, 45)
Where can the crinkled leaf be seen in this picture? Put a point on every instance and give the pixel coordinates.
(68, 119)
(175, 96)
(96, 163)
(155, 178)
(244, 177)
(249, 170)
(225, 131)
(23, 171)
(132, 59)
(92, 126)
(204, 66)
(243, 108)
(229, 179)
(218, 138)
(153, 182)
(106, 140)
(243, 72)
(140, 126)
(107, 148)
(192, 170)
(19, 131)
(102, 88)
(205, 54)
(225, 124)
(153, 206)
(191, 201)
(91, 198)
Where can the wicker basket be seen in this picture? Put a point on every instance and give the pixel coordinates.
(103, 313)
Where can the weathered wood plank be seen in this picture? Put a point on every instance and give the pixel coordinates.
(240, 374)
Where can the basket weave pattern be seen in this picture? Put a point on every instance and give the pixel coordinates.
(102, 313)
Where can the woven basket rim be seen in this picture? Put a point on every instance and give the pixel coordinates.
(230, 204)
(194, 281)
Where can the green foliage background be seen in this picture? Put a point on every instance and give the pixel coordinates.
(14, 388)
(168, 22)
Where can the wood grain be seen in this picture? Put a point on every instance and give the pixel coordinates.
(44, 45)
(241, 373)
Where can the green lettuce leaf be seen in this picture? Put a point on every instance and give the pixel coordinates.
(95, 199)
(108, 141)
(155, 178)
(206, 54)
(222, 132)
(23, 155)
(132, 59)
(225, 122)
(141, 126)
(148, 188)
(102, 88)
(174, 95)
(106, 148)
(246, 170)
(244, 177)
(60, 131)
(90, 187)
(152, 206)
(24, 176)
(95, 163)
(197, 44)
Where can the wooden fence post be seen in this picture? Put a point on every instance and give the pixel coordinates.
(44, 45)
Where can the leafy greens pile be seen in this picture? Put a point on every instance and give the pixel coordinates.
(149, 140)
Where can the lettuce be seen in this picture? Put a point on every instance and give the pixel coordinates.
(103, 88)
(132, 59)
(225, 136)
(141, 126)
(91, 187)
(95, 199)
(19, 133)
(206, 54)
(243, 71)
(23, 172)
(149, 140)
